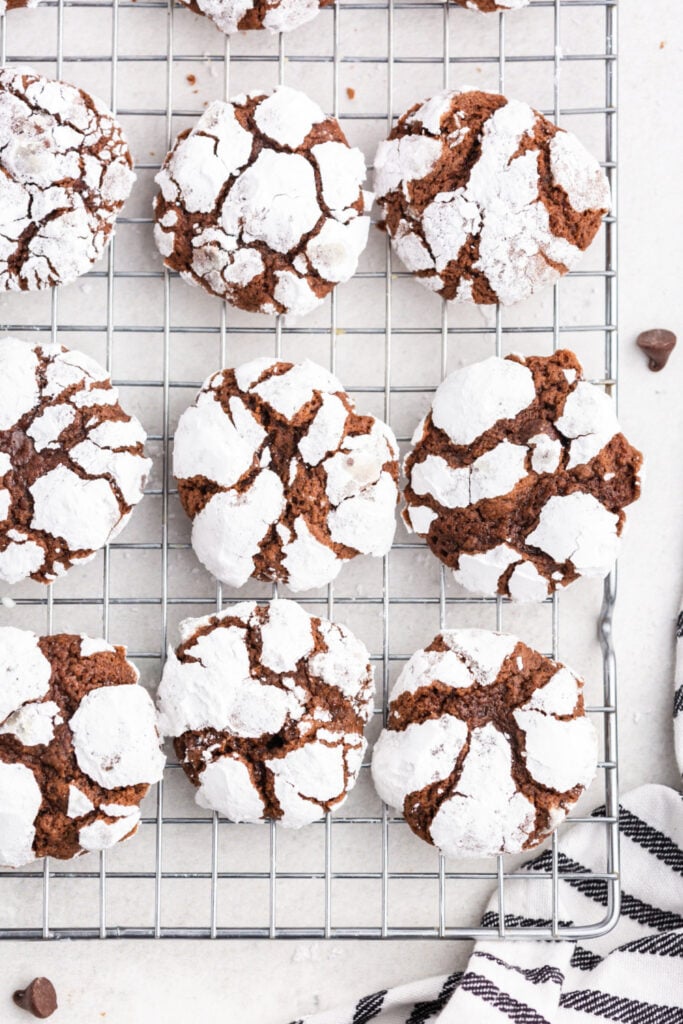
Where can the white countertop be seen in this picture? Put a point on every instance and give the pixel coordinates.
(263, 982)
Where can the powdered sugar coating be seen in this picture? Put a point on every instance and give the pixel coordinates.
(72, 463)
(519, 475)
(487, 746)
(267, 707)
(67, 172)
(20, 800)
(79, 746)
(24, 670)
(115, 737)
(578, 527)
(261, 203)
(237, 15)
(282, 478)
(486, 200)
(470, 401)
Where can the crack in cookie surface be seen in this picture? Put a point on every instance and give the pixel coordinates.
(66, 172)
(486, 200)
(487, 747)
(282, 479)
(72, 462)
(267, 707)
(261, 203)
(519, 476)
(79, 747)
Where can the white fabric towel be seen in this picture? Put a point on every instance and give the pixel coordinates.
(633, 975)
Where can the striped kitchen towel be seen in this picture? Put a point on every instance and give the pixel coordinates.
(633, 975)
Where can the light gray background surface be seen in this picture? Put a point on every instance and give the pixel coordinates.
(265, 983)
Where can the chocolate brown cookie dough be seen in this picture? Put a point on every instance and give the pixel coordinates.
(261, 203)
(66, 173)
(267, 706)
(519, 476)
(72, 462)
(79, 747)
(487, 747)
(486, 200)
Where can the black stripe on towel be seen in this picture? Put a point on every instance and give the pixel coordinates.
(369, 1007)
(423, 1012)
(626, 1011)
(536, 975)
(652, 840)
(678, 702)
(583, 960)
(666, 944)
(516, 1011)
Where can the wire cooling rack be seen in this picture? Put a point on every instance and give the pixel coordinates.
(359, 873)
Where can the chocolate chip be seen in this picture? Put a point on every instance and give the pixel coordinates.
(39, 998)
(657, 345)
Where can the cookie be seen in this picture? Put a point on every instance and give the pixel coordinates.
(282, 479)
(79, 747)
(489, 6)
(261, 203)
(487, 747)
(519, 476)
(72, 462)
(66, 173)
(266, 707)
(486, 200)
(238, 15)
(13, 5)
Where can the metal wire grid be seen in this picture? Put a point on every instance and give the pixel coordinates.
(206, 922)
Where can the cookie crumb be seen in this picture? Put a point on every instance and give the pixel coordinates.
(191, 79)
(351, 93)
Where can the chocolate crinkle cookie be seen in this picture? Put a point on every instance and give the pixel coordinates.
(267, 707)
(261, 203)
(486, 200)
(13, 5)
(275, 15)
(519, 476)
(72, 462)
(487, 747)
(489, 6)
(79, 746)
(66, 172)
(282, 479)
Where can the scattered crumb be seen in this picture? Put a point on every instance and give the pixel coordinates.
(662, 44)
(191, 79)
(195, 91)
(152, 153)
(351, 93)
(9, 602)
